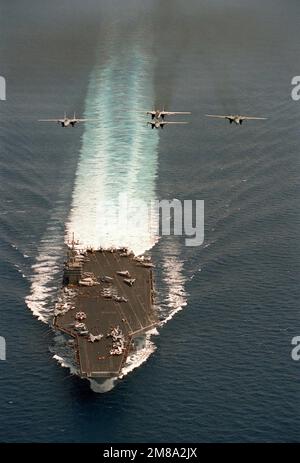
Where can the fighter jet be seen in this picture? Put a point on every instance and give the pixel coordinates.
(66, 121)
(158, 113)
(238, 120)
(156, 123)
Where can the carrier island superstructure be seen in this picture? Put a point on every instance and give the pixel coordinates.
(105, 306)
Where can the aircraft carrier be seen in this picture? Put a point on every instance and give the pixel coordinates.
(105, 306)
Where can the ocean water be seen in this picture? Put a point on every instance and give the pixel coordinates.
(220, 368)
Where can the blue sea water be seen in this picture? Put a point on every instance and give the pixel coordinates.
(221, 368)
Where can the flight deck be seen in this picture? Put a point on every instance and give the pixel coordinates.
(105, 303)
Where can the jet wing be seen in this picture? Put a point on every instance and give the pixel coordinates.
(249, 118)
(172, 123)
(50, 120)
(82, 120)
(174, 113)
(219, 117)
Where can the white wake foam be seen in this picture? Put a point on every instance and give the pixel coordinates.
(175, 297)
(118, 157)
(63, 353)
(46, 271)
(105, 386)
(141, 354)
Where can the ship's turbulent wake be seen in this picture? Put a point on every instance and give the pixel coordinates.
(118, 161)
